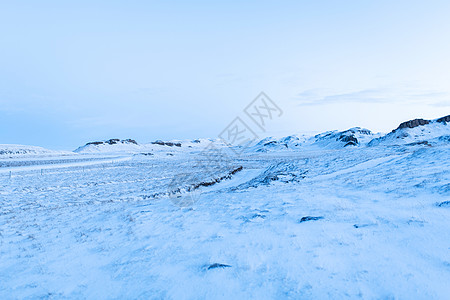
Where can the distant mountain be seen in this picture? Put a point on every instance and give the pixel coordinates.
(353, 137)
(413, 132)
(10, 151)
(131, 146)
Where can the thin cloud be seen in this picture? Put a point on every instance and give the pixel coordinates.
(377, 95)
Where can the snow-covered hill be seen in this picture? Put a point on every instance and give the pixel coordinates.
(414, 132)
(417, 132)
(353, 137)
(349, 138)
(12, 151)
(275, 144)
(154, 148)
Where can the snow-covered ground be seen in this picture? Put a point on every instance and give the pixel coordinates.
(314, 222)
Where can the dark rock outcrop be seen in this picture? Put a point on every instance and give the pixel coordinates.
(113, 142)
(444, 120)
(218, 265)
(170, 144)
(420, 122)
(309, 218)
(95, 143)
(444, 204)
(130, 141)
(412, 124)
(350, 140)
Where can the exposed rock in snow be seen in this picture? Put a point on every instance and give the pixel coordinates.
(412, 124)
(273, 144)
(309, 218)
(444, 204)
(114, 142)
(170, 144)
(217, 265)
(445, 119)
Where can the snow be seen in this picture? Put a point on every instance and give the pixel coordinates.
(300, 222)
(11, 151)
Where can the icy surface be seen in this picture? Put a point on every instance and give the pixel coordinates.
(368, 222)
(342, 214)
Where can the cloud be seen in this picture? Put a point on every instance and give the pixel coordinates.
(442, 104)
(376, 95)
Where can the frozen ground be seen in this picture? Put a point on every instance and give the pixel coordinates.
(365, 222)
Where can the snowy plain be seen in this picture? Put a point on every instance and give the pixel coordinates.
(310, 222)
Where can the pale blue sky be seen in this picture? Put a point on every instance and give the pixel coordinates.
(91, 70)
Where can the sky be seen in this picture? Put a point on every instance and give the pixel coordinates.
(72, 72)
